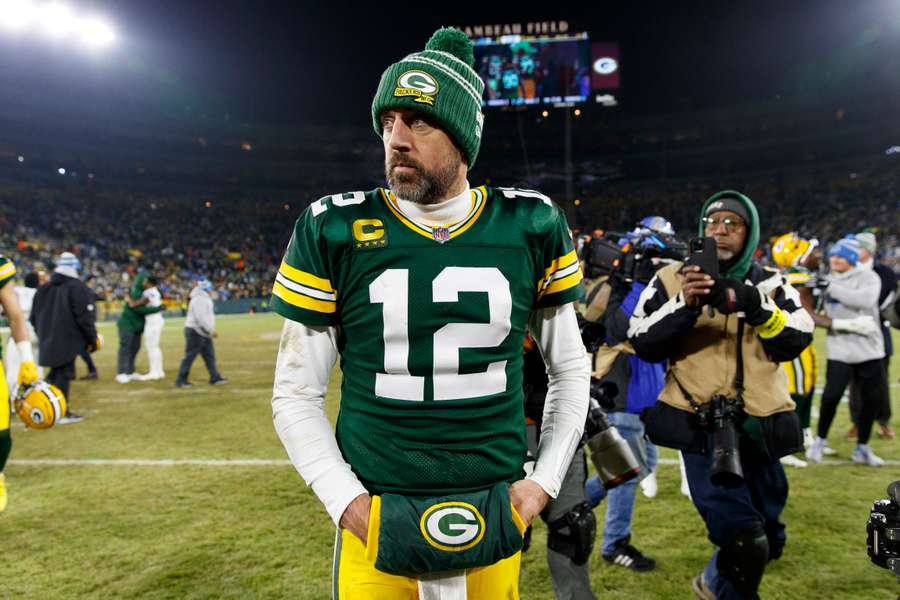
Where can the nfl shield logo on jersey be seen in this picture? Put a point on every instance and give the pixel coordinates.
(440, 234)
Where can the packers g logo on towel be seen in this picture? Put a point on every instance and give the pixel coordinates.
(419, 84)
(452, 526)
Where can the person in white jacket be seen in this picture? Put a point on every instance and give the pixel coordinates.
(199, 332)
(855, 348)
(153, 327)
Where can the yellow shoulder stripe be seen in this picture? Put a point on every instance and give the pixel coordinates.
(301, 301)
(560, 263)
(304, 278)
(561, 285)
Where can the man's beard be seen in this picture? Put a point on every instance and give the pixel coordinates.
(422, 186)
(725, 255)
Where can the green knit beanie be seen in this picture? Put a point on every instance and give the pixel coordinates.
(440, 82)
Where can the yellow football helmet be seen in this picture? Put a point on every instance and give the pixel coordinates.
(790, 250)
(40, 405)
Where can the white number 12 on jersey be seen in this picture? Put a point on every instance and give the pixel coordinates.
(391, 289)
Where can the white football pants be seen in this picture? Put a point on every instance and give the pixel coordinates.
(152, 332)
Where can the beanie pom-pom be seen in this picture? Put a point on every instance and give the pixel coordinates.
(454, 42)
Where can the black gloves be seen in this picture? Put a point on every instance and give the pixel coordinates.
(730, 296)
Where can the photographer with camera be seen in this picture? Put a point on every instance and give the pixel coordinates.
(571, 525)
(725, 324)
(612, 299)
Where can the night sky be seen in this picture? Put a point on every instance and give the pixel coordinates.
(285, 63)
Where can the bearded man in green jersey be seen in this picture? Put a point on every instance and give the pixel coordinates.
(426, 291)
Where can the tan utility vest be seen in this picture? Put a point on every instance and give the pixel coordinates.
(705, 361)
(602, 360)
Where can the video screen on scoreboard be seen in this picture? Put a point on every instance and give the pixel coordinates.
(523, 70)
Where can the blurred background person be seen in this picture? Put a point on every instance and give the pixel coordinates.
(25, 296)
(84, 354)
(867, 247)
(798, 258)
(855, 348)
(199, 333)
(131, 325)
(153, 327)
(63, 314)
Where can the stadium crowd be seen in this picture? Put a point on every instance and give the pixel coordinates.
(826, 209)
(238, 244)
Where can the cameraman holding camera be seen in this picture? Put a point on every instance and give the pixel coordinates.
(725, 324)
(612, 298)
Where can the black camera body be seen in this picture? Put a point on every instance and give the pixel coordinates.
(721, 417)
(883, 531)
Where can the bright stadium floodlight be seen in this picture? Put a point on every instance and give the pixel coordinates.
(17, 14)
(57, 21)
(96, 33)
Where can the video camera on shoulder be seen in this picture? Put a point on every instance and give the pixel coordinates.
(603, 255)
(631, 256)
(883, 531)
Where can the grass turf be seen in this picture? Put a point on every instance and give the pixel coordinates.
(182, 531)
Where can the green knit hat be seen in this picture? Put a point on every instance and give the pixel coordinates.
(440, 82)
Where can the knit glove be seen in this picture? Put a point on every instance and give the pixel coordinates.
(864, 325)
(730, 295)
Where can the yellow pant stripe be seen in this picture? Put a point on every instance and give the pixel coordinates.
(4, 399)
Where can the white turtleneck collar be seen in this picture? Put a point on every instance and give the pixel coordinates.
(444, 213)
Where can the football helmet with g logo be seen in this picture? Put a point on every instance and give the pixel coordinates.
(40, 405)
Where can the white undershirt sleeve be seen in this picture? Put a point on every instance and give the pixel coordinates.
(568, 370)
(306, 357)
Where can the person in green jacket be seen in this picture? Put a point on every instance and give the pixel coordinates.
(131, 326)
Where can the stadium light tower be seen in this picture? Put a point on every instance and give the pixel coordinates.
(56, 21)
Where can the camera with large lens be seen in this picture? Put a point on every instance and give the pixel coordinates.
(883, 531)
(722, 417)
(610, 453)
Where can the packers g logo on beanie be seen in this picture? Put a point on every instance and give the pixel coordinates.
(452, 526)
(441, 82)
(419, 84)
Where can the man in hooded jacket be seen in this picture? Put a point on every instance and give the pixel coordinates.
(64, 318)
(199, 332)
(725, 329)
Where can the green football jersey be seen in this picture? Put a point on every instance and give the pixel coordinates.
(431, 324)
(7, 270)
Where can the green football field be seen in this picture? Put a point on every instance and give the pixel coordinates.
(168, 493)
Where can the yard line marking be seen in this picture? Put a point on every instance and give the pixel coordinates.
(827, 463)
(137, 462)
(254, 462)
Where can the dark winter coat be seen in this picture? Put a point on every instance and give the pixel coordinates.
(63, 315)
